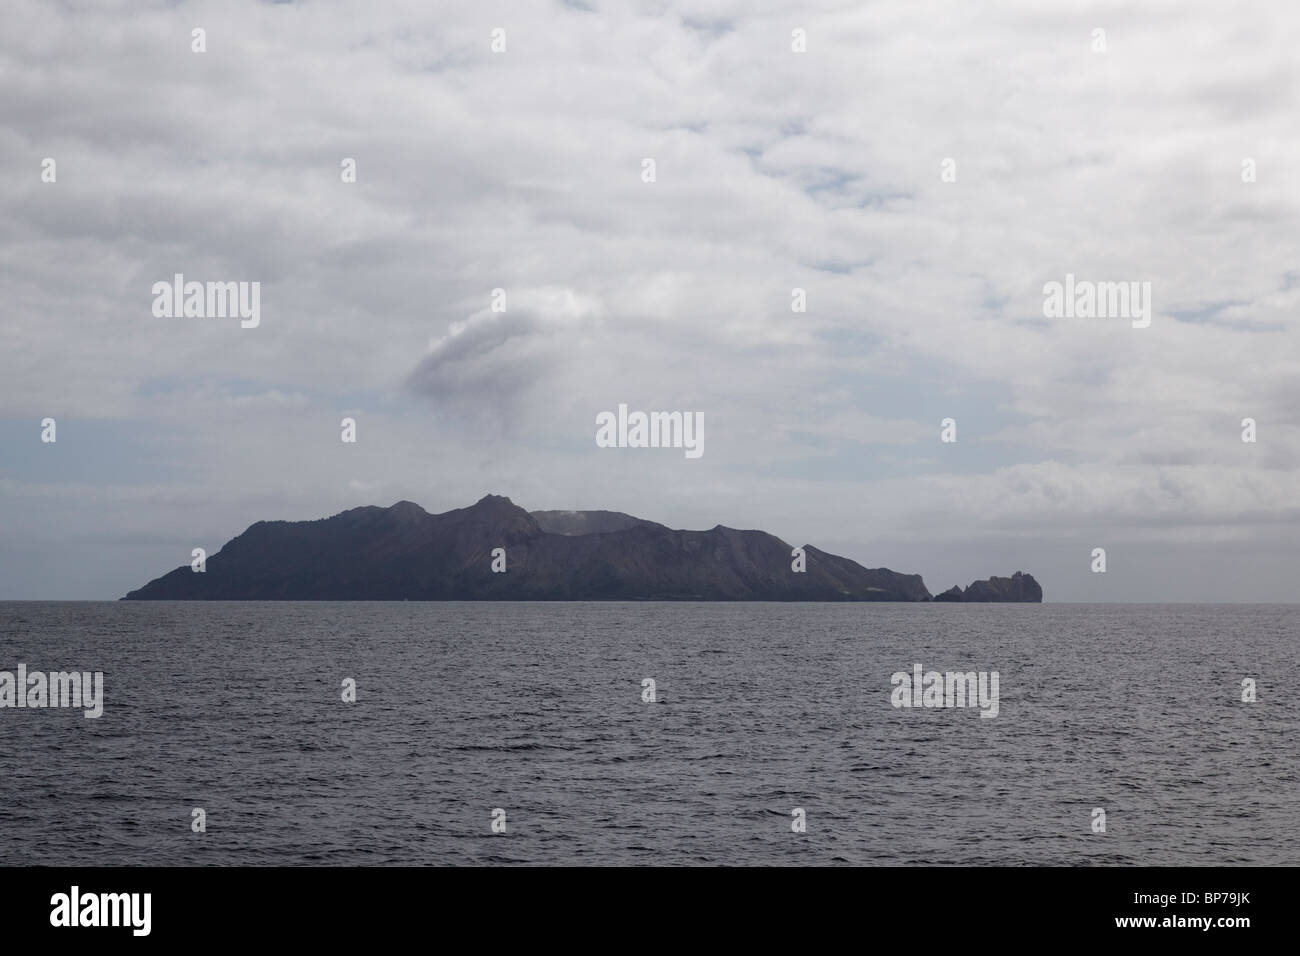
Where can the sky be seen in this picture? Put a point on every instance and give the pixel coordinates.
(920, 170)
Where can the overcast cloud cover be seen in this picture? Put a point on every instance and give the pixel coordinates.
(775, 170)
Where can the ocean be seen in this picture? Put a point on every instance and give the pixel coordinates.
(522, 733)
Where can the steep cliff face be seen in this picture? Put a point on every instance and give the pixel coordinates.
(405, 553)
(1019, 588)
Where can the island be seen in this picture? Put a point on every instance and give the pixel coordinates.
(496, 551)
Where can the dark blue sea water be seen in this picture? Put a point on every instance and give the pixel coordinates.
(762, 708)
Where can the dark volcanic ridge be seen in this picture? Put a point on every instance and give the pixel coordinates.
(405, 553)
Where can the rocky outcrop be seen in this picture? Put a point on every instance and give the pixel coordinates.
(1019, 588)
